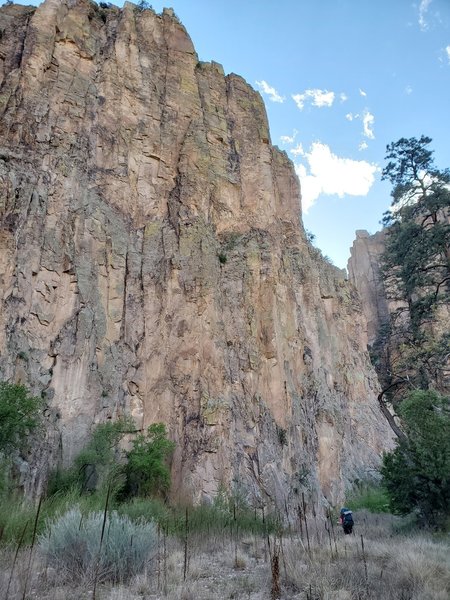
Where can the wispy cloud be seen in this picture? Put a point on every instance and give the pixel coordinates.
(447, 52)
(316, 97)
(408, 90)
(328, 174)
(368, 123)
(288, 139)
(363, 146)
(298, 150)
(343, 97)
(423, 9)
(270, 91)
(362, 93)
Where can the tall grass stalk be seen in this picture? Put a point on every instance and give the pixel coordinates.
(275, 592)
(365, 563)
(186, 533)
(33, 540)
(165, 560)
(300, 520)
(306, 522)
(97, 566)
(19, 544)
(159, 558)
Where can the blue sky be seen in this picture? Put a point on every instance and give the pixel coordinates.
(341, 79)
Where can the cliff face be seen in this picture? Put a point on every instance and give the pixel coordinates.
(389, 322)
(364, 273)
(153, 262)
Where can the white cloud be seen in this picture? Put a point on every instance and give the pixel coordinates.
(299, 100)
(289, 139)
(363, 146)
(408, 90)
(362, 93)
(317, 97)
(270, 91)
(298, 150)
(343, 97)
(447, 51)
(329, 174)
(423, 9)
(368, 122)
(322, 97)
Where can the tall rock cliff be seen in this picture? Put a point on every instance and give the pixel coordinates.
(153, 262)
(364, 273)
(389, 323)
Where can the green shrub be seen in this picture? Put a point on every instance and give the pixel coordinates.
(225, 513)
(20, 414)
(372, 497)
(14, 515)
(417, 473)
(97, 466)
(71, 544)
(146, 470)
(152, 509)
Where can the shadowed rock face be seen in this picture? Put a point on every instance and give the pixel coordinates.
(385, 322)
(153, 262)
(364, 274)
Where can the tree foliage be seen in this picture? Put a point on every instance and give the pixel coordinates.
(102, 464)
(416, 474)
(98, 462)
(20, 414)
(146, 470)
(143, 5)
(416, 261)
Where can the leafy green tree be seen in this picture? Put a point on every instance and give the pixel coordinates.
(416, 474)
(20, 415)
(416, 261)
(98, 463)
(147, 472)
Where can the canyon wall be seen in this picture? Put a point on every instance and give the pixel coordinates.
(364, 273)
(389, 323)
(153, 262)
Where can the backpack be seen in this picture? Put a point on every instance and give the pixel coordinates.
(347, 517)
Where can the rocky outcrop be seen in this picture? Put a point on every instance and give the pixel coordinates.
(364, 273)
(153, 262)
(389, 323)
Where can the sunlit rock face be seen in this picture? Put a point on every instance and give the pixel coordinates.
(154, 263)
(364, 273)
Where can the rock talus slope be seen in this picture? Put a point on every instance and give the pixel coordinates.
(153, 262)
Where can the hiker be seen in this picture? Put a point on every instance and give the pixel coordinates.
(346, 520)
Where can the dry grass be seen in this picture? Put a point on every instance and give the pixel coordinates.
(392, 566)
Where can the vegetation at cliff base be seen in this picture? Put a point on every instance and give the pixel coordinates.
(70, 544)
(417, 473)
(98, 464)
(146, 470)
(20, 415)
(412, 352)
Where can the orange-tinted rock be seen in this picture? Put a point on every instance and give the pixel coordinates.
(154, 263)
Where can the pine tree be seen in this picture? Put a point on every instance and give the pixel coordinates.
(416, 261)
